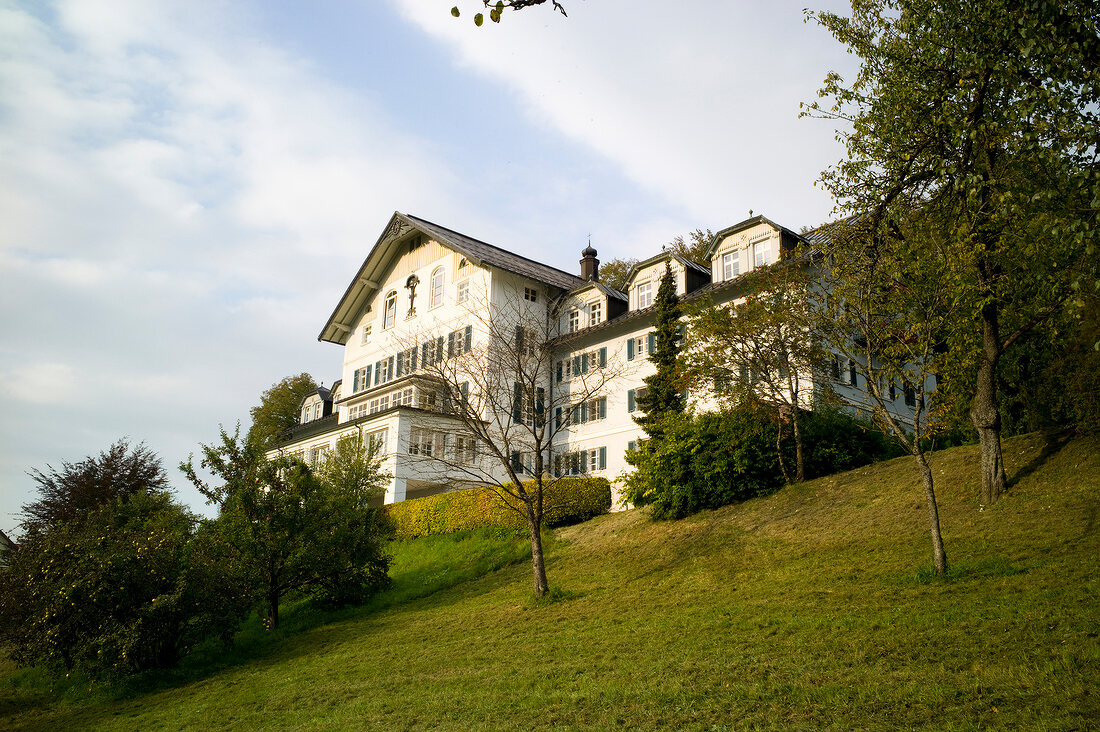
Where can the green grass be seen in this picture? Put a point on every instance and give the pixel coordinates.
(813, 608)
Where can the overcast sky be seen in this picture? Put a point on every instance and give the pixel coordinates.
(186, 188)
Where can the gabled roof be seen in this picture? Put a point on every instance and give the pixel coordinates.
(687, 264)
(747, 224)
(368, 279)
(611, 292)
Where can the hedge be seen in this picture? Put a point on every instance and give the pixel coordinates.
(565, 501)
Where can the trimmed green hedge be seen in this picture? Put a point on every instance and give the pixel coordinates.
(565, 501)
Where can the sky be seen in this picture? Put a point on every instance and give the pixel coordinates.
(187, 188)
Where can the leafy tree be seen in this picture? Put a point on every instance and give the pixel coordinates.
(79, 488)
(663, 392)
(278, 408)
(694, 246)
(887, 314)
(293, 529)
(122, 588)
(614, 272)
(982, 116)
(497, 8)
(763, 347)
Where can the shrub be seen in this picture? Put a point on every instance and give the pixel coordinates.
(835, 441)
(565, 500)
(123, 589)
(705, 461)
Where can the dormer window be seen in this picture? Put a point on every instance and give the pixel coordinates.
(595, 313)
(645, 295)
(436, 296)
(760, 253)
(731, 265)
(390, 316)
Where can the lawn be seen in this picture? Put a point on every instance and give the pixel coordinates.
(810, 609)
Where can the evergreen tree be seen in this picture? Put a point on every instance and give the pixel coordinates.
(662, 395)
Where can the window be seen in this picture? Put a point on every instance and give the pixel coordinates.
(379, 404)
(597, 458)
(731, 265)
(458, 341)
(306, 411)
(632, 398)
(359, 410)
(910, 396)
(390, 316)
(403, 397)
(317, 455)
(530, 294)
(574, 320)
(435, 297)
(426, 442)
(632, 446)
(360, 379)
(852, 376)
(463, 290)
(527, 341)
(317, 408)
(427, 400)
(595, 313)
(760, 253)
(645, 295)
(893, 391)
(376, 441)
(640, 346)
(836, 367)
(366, 335)
(465, 449)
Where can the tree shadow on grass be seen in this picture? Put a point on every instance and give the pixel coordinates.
(1053, 442)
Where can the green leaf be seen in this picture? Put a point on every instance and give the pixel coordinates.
(455, 12)
(479, 19)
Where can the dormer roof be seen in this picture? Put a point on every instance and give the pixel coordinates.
(610, 292)
(368, 279)
(747, 224)
(665, 255)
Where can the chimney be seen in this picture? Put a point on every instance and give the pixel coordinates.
(590, 266)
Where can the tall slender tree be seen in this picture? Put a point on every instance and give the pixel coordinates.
(663, 395)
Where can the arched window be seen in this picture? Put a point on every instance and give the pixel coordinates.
(390, 316)
(436, 296)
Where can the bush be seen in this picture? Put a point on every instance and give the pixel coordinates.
(123, 589)
(565, 501)
(704, 461)
(835, 441)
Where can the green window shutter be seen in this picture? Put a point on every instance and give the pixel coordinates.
(603, 407)
(451, 344)
(559, 372)
(425, 353)
(629, 349)
(576, 365)
(364, 380)
(584, 461)
(400, 364)
(519, 339)
(355, 381)
(630, 403)
(584, 412)
(467, 339)
(603, 357)
(652, 345)
(584, 363)
(439, 349)
(389, 367)
(603, 458)
(517, 403)
(412, 358)
(557, 418)
(377, 372)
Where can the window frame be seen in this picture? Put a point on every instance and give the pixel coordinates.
(437, 283)
(389, 313)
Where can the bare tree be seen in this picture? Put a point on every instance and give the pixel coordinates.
(499, 383)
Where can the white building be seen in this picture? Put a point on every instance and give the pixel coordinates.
(427, 296)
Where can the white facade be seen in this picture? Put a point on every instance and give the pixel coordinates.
(425, 292)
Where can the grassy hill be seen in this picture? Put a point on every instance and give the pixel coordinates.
(809, 609)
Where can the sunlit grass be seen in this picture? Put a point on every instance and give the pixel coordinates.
(813, 608)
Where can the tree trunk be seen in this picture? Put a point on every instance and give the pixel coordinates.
(779, 447)
(273, 608)
(538, 564)
(939, 556)
(799, 462)
(984, 410)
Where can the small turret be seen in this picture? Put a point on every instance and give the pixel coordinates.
(590, 266)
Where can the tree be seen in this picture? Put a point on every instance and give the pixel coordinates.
(663, 392)
(764, 347)
(982, 116)
(278, 408)
(694, 247)
(614, 272)
(499, 384)
(887, 314)
(78, 488)
(120, 584)
(293, 529)
(497, 8)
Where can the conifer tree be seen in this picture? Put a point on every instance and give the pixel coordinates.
(662, 396)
